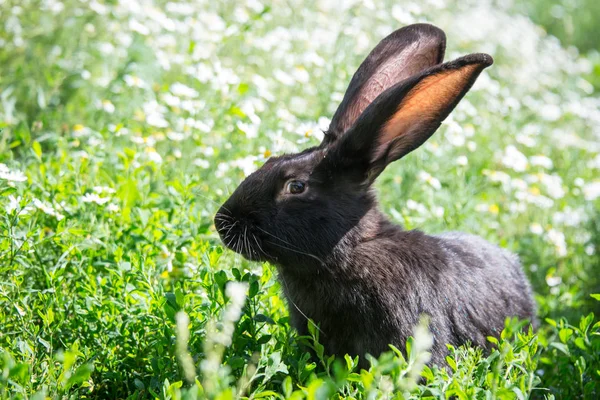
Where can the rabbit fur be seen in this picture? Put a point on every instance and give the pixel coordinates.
(362, 279)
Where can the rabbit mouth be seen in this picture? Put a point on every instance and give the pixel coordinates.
(240, 236)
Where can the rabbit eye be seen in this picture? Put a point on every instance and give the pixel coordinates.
(295, 187)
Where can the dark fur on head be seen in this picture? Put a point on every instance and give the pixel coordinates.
(362, 279)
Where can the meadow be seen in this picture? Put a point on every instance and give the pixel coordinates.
(125, 124)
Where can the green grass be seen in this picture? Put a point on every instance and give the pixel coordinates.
(113, 282)
(575, 23)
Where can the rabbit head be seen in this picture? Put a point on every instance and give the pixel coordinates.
(296, 208)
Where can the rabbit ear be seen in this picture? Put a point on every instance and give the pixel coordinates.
(406, 115)
(400, 55)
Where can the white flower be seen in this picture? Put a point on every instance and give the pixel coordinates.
(112, 207)
(153, 155)
(402, 15)
(553, 280)
(426, 177)
(482, 207)
(246, 164)
(13, 204)
(557, 238)
(454, 133)
(103, 189)
(47, 209)
(208, 151)
(550, 112)
(300, 75)
(134, 81)
(514, 159)
(202, 163)
(499, 176)
(94, 198)
(236, 291)
(541, 161)
(416, 206)
(536, 229)
(283, 77)
(591, 191)
(179, 89)
(135, 26)
(526, 140)
(176, 136)
(570, 217)
(595, 163)
(462, 160)
(108, 106)
(251, 130)
(553, 185)
(590, 249)
(12, 176)
(148, 140)
(157, 120)
(98, 8)
(106, 48)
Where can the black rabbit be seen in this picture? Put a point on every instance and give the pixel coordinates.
(314, 215)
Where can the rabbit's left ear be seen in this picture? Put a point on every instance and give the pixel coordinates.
(406, 115)
(402, 54)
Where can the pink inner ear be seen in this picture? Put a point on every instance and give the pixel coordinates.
(430, 98)
(413, 59)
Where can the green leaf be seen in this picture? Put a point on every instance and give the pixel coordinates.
(81, 374)
(253, 291)
(551, 322)
(266, 393)
(7, 191)
(579, 342)
(264, 339)
(236, 362)
(19, 373)
(451, 362)
(264, 318)
(37, 149)
(564, 334)
(560, 346)
(287, 387)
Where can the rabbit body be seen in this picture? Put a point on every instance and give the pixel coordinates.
(383, 285)
(341, 262)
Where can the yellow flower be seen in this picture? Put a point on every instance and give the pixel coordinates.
(139, 115)
(78, 128)
(494, 209)
(267, 153)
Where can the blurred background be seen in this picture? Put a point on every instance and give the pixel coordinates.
(125, 124)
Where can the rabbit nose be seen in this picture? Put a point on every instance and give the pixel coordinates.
(228, 220)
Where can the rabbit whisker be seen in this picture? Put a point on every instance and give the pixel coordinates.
(260, 248)
(278, 238)
(295, 248)
(229, 228)
(296, 306)
(209, 199)
(300, 252)
(223, 217)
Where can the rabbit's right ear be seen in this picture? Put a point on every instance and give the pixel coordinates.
(402, 54)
